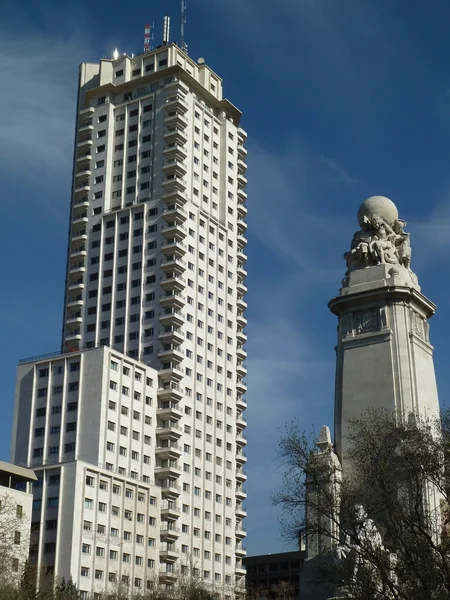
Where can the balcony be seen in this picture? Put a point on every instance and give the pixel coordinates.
(241, 440)
(177, 103)
(78, 252)
(241, 494)
(242, 195)
(172, 317)
(169, 531)
(241, 387)
(168, 430)
(168, 553)
(241, 287)
(172, 353)
(177, 85)
(74, 318)
(174, 230)
(80, 219)
(81, 187)
(241, 256)
(168, 469)
(81, 204)
(84, 172)
(240, 512)
(174, 265)
(173, 282)
(174, 248)
(241, 369)
(242, 151)
(85, 144)
(77, 268)
(169, 451)
(241, 164)
(240, 420)
(175, 120)
(170, 489)
(241, 178)
(87, 111)
(171, 336)
(242, 134)
(241, 320)
(174, 184)
(175, 135)
(241, 240)
(242, 227)
(175, 213)
(174, 195)
(172, 373)
(86, 127)
(167, 575)
(171, 392)
(75, 301)
(175, 152)
(173, 167)
(241, 403)
(240, 550)
(76, 285)
(240, 570)
(241, 353)
(242, 211)
(84, 158)
(241, 475)
(170, 299)
(73, 336)
(241, 303)
(170, 510)
(169, 410)
(241, 457)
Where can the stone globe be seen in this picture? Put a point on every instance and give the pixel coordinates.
(377, 205)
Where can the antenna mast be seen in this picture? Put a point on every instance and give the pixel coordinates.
(166, 31)
(148, 36)
(183, 44)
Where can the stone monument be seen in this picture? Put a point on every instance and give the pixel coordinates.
(384, 356)
(384, 359)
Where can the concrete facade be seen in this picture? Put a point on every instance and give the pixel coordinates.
(15, 516)
(147, 394)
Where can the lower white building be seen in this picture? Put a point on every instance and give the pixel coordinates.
(15, 518)
(109, 443)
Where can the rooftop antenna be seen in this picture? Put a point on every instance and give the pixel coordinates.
(183, 44)
(148, 36)
(166, 31)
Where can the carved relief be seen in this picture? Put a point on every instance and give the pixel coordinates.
(367, 320)
(418, 325)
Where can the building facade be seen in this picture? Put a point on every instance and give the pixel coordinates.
(15, 517)
(274, 575)
(155, 284)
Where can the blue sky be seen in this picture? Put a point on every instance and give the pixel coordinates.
(342, 99)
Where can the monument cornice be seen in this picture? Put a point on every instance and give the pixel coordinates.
(388, 294)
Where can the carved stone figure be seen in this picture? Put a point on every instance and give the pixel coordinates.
(381, 239)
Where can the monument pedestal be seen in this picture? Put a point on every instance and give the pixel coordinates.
(384, 356)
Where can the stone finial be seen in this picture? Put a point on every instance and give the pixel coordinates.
(324, 441)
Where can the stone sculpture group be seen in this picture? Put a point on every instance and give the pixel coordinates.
(381, 240)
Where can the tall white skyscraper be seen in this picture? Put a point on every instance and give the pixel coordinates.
(135, 430)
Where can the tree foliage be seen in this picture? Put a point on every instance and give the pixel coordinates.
(385, 537)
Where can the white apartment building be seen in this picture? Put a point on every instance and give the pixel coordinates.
(154, 285)
(15, 518)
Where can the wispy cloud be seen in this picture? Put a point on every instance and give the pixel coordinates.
(340, 175)
(38, 104)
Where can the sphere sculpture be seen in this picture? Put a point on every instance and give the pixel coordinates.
(377, 205)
